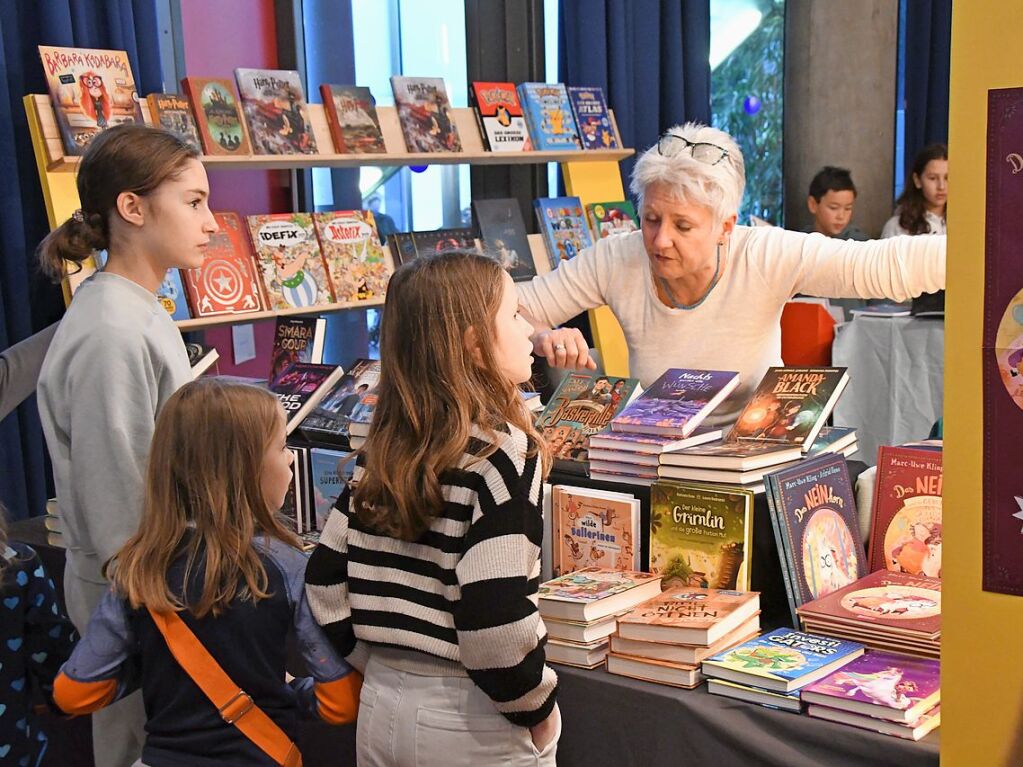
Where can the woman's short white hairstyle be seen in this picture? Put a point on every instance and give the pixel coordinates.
(717, 187)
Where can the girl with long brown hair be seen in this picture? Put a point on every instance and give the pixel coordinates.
(211, 549)
(923, 204)
(428, 568)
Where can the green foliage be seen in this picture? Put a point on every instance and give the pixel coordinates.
(756, 68)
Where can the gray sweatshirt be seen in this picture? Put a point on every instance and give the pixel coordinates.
(19, 369)
(115, 360)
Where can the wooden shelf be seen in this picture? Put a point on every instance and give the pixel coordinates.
(397, 155)
(235, 319)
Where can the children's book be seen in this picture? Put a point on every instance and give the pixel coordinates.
(780, 700)
(685, 653)
(701, 536)
(402, 247)
(833, 439)
(227, 282)
(593, 593)
(677, 402)
(201, 357)
(790, 405)
(331, 470)
(288, 253)
(91, 90)
(273, 102)
(503, 233)
(359, 266)
(563, 225)
(352, 117)
(607, 218)
(592, 118)
(172, 112)
(443, 241)
(301, 387)
(218, 115)
(623, 443)
(914, 731)
(905, 527)
(689, 615)
(500, 118)
(594, 528)
(171, 294)
(330, 421)
(296, 339)
(734, 456)
(681, 675)
(549, 113)
(425, 114)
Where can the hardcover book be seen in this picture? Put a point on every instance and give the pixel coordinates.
(171, 294)
(402, 247)
(329, 423)
(654, 446)
(912, 731)
(331, 470)
(593, 593)
(296, 339)
(503, 233)
(301, 387)
(677, 402)
(549, 113)
(500, 118)
(352, 117)
(675, 674)
(227, 282)
(563, 225)
(443, 241)
(685, 653)
(172, 112)
(273, 103)
(607, 218)
(779, 700)
(701, 536)
(91, 90)
(288, 253)
(218, 115)
(358, 265)
(905, 526)
(735, 456)
(592, 528)
(790, 405)
(689, 615)
(425, 114)
(592, 118)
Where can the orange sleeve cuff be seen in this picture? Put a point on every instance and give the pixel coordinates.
(339, 700)
(83, 697)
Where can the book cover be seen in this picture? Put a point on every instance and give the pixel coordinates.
(227, 282)
(736, 456)
(301, 387)
(218, 115)
(503, 233)
(288, 253)
(402, 247)
(677, 402)
(171, 294)
(172, 112)
(330, 420)
(905, 526)
(563, 225)
(592, 118)
(782, 655)
(91, 90)
(790, 405)
(607, 218)
(594, 529)
(352, 117)
(443, 241)
(296, 339)
(358, 265)
(700, 536)
(696, 609)
(652, 445)
(927, 722)
(425, 114)
(592, 584)
(549, 113)
(499, 114)
(331, 471)
(583, 404)
(273, 103)
(832, 439)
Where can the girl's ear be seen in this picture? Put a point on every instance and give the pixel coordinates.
(129, 207)
(472, 345)
(917, 182)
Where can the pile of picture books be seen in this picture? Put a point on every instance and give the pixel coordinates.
(665, 638)
(580, 611)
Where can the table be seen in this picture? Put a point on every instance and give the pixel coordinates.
(896, 379)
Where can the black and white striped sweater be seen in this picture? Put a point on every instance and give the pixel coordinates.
(464, 592)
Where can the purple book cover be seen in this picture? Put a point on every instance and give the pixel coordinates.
(884, 679)
(1003, 345)
(679, 399)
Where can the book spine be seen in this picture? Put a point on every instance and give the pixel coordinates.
(480, 123)
(774, 508)
(332, 119)
(876, 539)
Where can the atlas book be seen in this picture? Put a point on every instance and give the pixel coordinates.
(352, 117)
(607, 218)
(273, 102)
(594, 528)
(443, 241)
(563, 225)
(677, 402)
(689, 615)
(228, 281)
(301, 387)
(288, 252)
(91, 90)
(914, 731)
(296, 339)
(681, 675)
(330, 420)
(905, 526)
(218, 116)
(790, 405)
(644, 449)
(359, 266)
(592, 118)
(701, 536)
(782, 660)
(503, 233)
(593, 593)
(331, 471)
(582, 405)
(685, 653)
(549, 114)
(172, 112)
(425, 114)
(499, 115)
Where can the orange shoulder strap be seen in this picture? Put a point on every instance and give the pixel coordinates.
(234, 704)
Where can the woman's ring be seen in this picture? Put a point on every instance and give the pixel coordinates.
(559, 347)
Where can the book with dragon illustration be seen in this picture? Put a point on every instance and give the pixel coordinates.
(425, 114)
(273, 103)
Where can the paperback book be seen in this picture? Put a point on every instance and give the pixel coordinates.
(358, 265)
(296, 339)
(273, 102)
(592, 118)
(227, 282)
(218, 116)
(301, 387)
(563, 225)
(677, 402)
(331, 471)
(499, 115)
(288, 253)
(352, 117)
(329, 423)
(425, 114)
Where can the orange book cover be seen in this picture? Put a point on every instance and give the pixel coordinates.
(593, 531)
(227, 282)
(218, 115)
(359, 267)
(690, 607)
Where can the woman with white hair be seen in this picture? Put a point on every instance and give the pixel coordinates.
(692, 289)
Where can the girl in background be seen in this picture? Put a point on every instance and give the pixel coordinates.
(922, 205)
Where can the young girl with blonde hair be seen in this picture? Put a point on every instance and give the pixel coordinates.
(428, 568)
(211, 550)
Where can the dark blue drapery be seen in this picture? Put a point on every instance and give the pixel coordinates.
(928, 48)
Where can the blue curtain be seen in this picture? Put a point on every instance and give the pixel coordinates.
(651, 57)
(27, 302)
(928, 48)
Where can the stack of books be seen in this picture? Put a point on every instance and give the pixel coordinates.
(889, 693)
(665, 639)
(580, 610)
(771, 669)
(620, 456)
(884, 611)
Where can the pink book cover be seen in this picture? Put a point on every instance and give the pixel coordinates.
(895, 600)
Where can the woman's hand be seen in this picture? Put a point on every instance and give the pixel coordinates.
(563, 348)
(543, 733)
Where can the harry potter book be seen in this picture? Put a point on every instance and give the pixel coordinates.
(352, 117)
(359, 266)
(273, 103)
(227, 282)
(218, 115)
(171, 111)
(500, 118)
(425, 114)
(289, 257)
